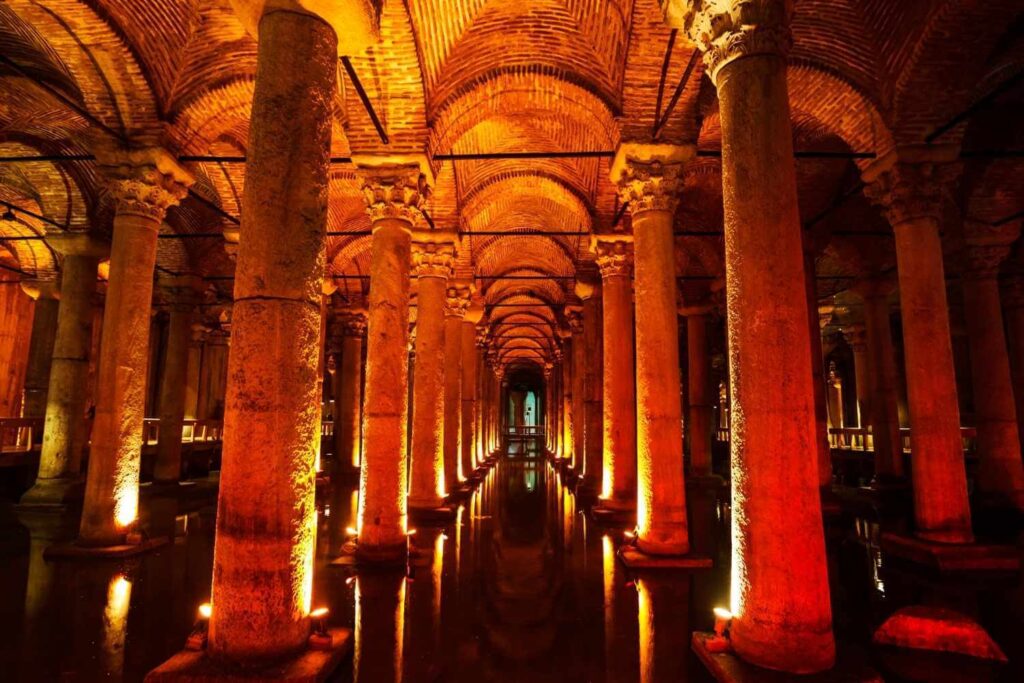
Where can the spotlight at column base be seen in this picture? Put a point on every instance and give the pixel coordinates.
(311, 666)
(728, 667)
(974, 558)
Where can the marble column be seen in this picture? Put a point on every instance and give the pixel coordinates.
(818, 318)
(699, 389)
(64, 430)
(433, 255)
(266, 516)
(394, 196)
(46, 294)
(650, 178)
(1000, 470)
(350, 328)
(16, 312)
(578, 372)
(467, 348)
(565, 418)
(549, 380)
(908, 184)
(197, 335)
(780, 602)
(618, 477)
(181, 294)
(456, 303)
(143, 184)
(856, 337)
(588, 288)
(883, 380)
(1012, 296)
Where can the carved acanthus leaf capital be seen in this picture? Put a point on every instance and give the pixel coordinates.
(574, 316)
(456, 302)
(350, 324)
(651, 186)
(143, 182)
(907, 190)
(614, 258)
(432, 259)
(982, 261)
(856, 336)
(395, 192)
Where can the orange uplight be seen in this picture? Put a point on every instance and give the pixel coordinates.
(205, 610)
(319, 613)
(351, 531)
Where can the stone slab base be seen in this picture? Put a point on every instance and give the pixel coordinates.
(442, 515)
(351, 557)
(311, 666)
(635, 559)
(606, 516)
(953, 557)
(72, 551)
(726, 667)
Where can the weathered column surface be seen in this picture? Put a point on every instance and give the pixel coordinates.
(195, 363)
(350, 328)
(908, 184)
(467, 350)
(143, 184)
(565, 383)
(433, 254)
(856, 337)
(456, 303)
(1000, 471)
(394, 195)
(181, 294)
(588, 289)
(549, 380)
(578, 372)
(46, 294)
(650, 178)
(818, 317)
(618, 477)
(1012, 296)
(699, 389)
(266, 519)
(63, 433)
(883, 380)
(782, 617)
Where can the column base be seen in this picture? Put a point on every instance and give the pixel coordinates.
(706, 482)
(727, 667)
(428, 515)
(635, 558)
(74, 551)
(382, 557)
(54, 493)
(960, 558)
(309, 666)
(613, 512)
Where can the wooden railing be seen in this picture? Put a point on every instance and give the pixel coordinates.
(860, 439)
(524, 430)
(18, 434)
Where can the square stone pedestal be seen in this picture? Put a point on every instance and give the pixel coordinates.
(311, 666)
(433, 516)
(635, 559)
(613, 517)
(728, 668)
(72, 551)
(953, 557)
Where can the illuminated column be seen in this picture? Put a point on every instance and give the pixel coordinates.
(549, 379)
(699, 389)
(350, 326)
(818, 317)
(908, 184)
(578, 373)
(433, 254)
(379, 639)
(856, 337)
(650, 178)
(618, 484)
(1000, 471)
(565, 418)
(883, 379)
(588, 289)
(1013, 310)
(143, 184)
(835, 397)
(16, 310)
(266, 517)
(46, 294)
(181, 294)
(773, 430)
(469, 367)
(63, 433)
(456, 303)
(394, 195)
(195, 362)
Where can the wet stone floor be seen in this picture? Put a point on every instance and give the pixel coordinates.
(522, 587)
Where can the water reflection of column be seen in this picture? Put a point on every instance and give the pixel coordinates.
(620, 635)
(664, 627)
(380, 623)
(423, 637)
(115, 627)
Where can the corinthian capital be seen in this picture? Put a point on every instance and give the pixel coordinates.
(911, 182)
(726, 30)
(614, 256)
(650, 177)
(433, 254)
(350, 323)
(143, 182)
(394, 188)
(456, 302)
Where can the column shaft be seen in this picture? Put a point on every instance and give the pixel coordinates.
(453, 389)
(469, 367)
(699, 366)
(579, 415)
(349, 392)
(882, 387)
(40, 350)
(593, 366)
(172, 395)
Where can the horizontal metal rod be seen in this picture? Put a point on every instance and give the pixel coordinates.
(17, 209)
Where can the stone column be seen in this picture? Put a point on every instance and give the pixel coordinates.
(856, 337)
(565, 418)
(818, 318)
(773, 429)
(197, 335)
(456, 303)
(433, 254)
(618, 481)
(1013, 310)
(883, 380)
(650, 178)
(834, 383)
(908, 184)
(266, 519)
(63, 434)
(394, 196)
(350, 326)
(213, 375)
(180, 293)
(143, 184)
(467, 347)
(699, 389)
(16, 311)
(549, 379)
(1000, 471)
(578, 372)
(46, 294)
(588, 289)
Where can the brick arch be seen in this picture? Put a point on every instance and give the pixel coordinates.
(33, 256)
(545, 254)
(62, 190)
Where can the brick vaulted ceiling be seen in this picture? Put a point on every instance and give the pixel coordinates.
(485, 76)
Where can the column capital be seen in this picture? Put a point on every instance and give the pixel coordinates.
(482, 337)
(199, 332)
(181, 292)
(549, 368)
(856, 336)
(825, 313)
(456, 301)
(355, 22)
(78, 244)
(725, 30)
(350, 323)
(574, 316)
(982, 261)
(875, 287)
(650, 177)
(395, 187)
(433, 253)
(143, 182)
(1012, 292)
(692, 310)
(39, 288)
(911, 182)
(614, 255)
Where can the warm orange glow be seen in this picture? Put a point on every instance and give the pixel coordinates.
(205, 610)
(645, 621)
(115, 624)
(319, 613)
(722, 613)
(351, 531)
(126, 502)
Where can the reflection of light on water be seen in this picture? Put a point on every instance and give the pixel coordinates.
(354, 510)
(115, 623)
(435, 577)
(645, 619)
(608, 567)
